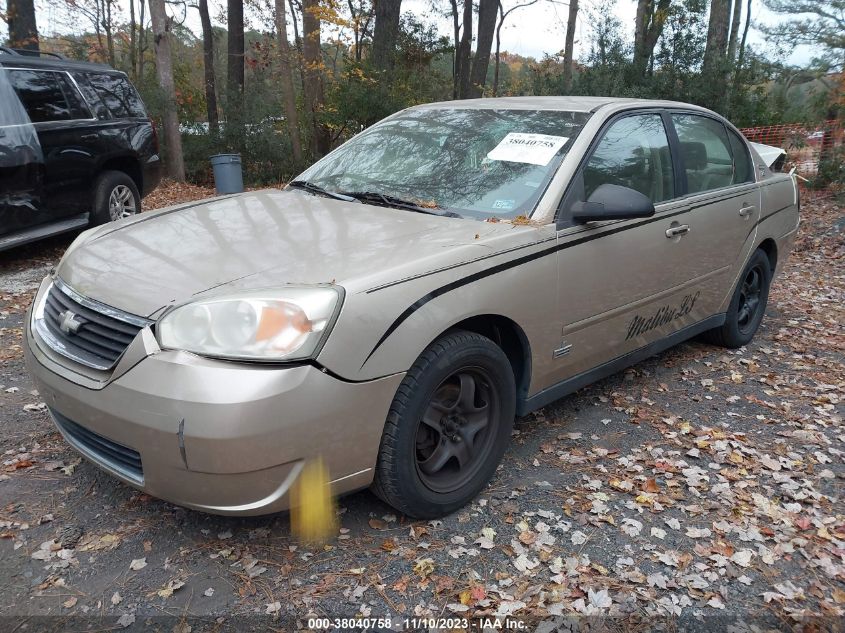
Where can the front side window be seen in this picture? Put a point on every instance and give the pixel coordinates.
(475, 162)
(705, 151)
(117, 93)
(633, 153)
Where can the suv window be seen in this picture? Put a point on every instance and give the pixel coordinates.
(743, 168)
(706, 152)
(47, 95)
(633, 153)
(118, 94)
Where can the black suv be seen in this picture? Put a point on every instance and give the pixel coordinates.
(77, 147)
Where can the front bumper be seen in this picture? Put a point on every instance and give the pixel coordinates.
(221, 437)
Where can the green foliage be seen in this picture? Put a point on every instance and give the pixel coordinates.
(264, 148)
(758, 91)
(360, 95)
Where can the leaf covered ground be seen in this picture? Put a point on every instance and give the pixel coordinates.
(701, 484)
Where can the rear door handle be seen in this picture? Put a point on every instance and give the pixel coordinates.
(89, 137)
(745, 211)
(677, 230)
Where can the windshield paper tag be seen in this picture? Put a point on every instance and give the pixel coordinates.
(536, 149)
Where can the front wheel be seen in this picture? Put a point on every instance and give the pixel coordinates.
(448, 426)
(115, 197)
(748, 305)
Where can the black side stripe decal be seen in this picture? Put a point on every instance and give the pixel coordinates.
(419, 303)
(702, 203)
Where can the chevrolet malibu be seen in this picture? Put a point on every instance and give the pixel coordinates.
(398, 304)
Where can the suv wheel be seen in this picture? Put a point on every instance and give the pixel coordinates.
(747, 306)
(115, 197)
(448, 426)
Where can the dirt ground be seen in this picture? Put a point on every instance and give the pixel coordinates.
(700, 489)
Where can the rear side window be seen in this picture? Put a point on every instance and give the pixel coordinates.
(118, 94)
(633, 153)
(743, 168)
(47, 95)
(706, 152)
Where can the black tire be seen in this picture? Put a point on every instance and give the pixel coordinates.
(474, 371)
(111, 185)
(748, 305)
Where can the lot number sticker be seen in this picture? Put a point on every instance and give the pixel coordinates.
(535, 149)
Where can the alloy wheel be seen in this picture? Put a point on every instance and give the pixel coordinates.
(121, 203)
(749, 299)
(457, 431)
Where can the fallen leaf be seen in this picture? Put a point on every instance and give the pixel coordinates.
(137, 564)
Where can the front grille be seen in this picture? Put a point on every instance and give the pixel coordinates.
(97, 336)
(119, 457)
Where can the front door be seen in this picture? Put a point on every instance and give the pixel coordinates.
(21, 164)
(626, 283)
(68, 135)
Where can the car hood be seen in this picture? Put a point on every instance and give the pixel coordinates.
(263, 239)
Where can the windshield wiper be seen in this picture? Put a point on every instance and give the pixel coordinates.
(399, 203)
(310, 187)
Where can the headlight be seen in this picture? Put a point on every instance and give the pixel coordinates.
(267, 325)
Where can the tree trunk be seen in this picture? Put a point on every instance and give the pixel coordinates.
(385, 33)
(235, 59)
(109, 31)
(457, 41)
(647, 30)
(164, 71)
(732, 39)
(741, 54)
(142, 37)
(289, 96)
(133, 42)
(208, 68)
(464, 53)
(497, 60)
(569, 46)
(23, 31)
(641, 22)
(313, 61)
(487, 10)
(717, 36)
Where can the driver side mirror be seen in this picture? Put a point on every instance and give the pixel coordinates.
(613, 202)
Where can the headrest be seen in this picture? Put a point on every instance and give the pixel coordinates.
(695, 155)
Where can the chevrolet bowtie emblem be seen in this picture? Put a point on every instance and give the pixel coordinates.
(68, 322)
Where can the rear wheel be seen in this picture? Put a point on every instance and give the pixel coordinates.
(448, 426)
(115, 197)
(748, 305)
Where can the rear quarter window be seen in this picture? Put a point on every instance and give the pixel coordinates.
(743, 168)
(119, 96)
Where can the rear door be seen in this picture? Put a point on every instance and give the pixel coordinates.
(68, 134)
(21, 164)
(723, 196)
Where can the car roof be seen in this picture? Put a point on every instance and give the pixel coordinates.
(566, 104)
(11, 58)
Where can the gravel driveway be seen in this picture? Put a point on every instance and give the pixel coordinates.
(701, 488)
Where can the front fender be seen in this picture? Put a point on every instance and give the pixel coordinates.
(382, 331)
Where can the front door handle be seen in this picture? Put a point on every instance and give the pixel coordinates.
(677, 230)
(746, 211)
(89, 137)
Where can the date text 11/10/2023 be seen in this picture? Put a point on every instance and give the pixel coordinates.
(420, 624)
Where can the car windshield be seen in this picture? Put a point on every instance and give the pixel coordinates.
(475, 162)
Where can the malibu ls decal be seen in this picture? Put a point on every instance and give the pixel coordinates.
(640, 325)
